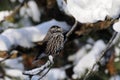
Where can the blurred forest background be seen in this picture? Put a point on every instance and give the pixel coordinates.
(80, 52)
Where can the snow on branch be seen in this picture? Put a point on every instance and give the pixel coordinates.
(3, 14)
(37, 70)
(86, 11)
(32, 11)
(116, 26)
(25, 37)
(6, 14)
(109, 44)
(41, 69)
(89, 60)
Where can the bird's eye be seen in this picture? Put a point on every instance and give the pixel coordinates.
(59, 29)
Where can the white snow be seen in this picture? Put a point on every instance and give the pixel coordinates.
(82, 51)
(23, 11)
(116, 26)
(87, 11)
(32, 10)
(1, 59)
(26, 36)
(79, 54)
(36, 77)
(53, 74)
(89, 60)
(15, 63)
(6, 78)
(15, 73)
(62, 6)
(115, 77)
(3, 14)
(35, 12)
(56, 74)
(20, 1)
(51, 58)
(117, 51)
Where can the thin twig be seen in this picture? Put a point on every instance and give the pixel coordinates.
(46, 72)
(109, 44)
(72, 29)
(17, 8)
(11, 53)
(39, 70)
(6, 58)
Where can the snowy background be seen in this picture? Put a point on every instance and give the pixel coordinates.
(22, 28)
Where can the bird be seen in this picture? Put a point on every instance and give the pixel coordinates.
(53, 43)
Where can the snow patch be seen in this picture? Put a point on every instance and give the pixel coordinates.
(87, 11)
(25, 37)
(116, 26)
(3, 14)
(89, 60)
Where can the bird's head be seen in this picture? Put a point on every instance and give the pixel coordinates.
(55, 29)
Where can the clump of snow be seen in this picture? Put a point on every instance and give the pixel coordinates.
(87, 11)
(1, 59)
(55, 74)
(35, 12)
(7, 24)
(89, 60)
(15, 73)
(62, 6)
(90, 41)
(15, 63)
(117, 51)
(25, 37)
(36, 77)
(5, 44)
(51, 58)
(117, 47)
(82, 51)
(79, 54)
(32, 10)
(115, 77)
(20, 1)
(3, 14)
(6, 78)
(23, 11)
(116, 26)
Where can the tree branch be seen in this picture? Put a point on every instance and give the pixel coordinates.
(39, 70)
(72, 29)
(9, 55)
(17, 8)
(109, 44)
